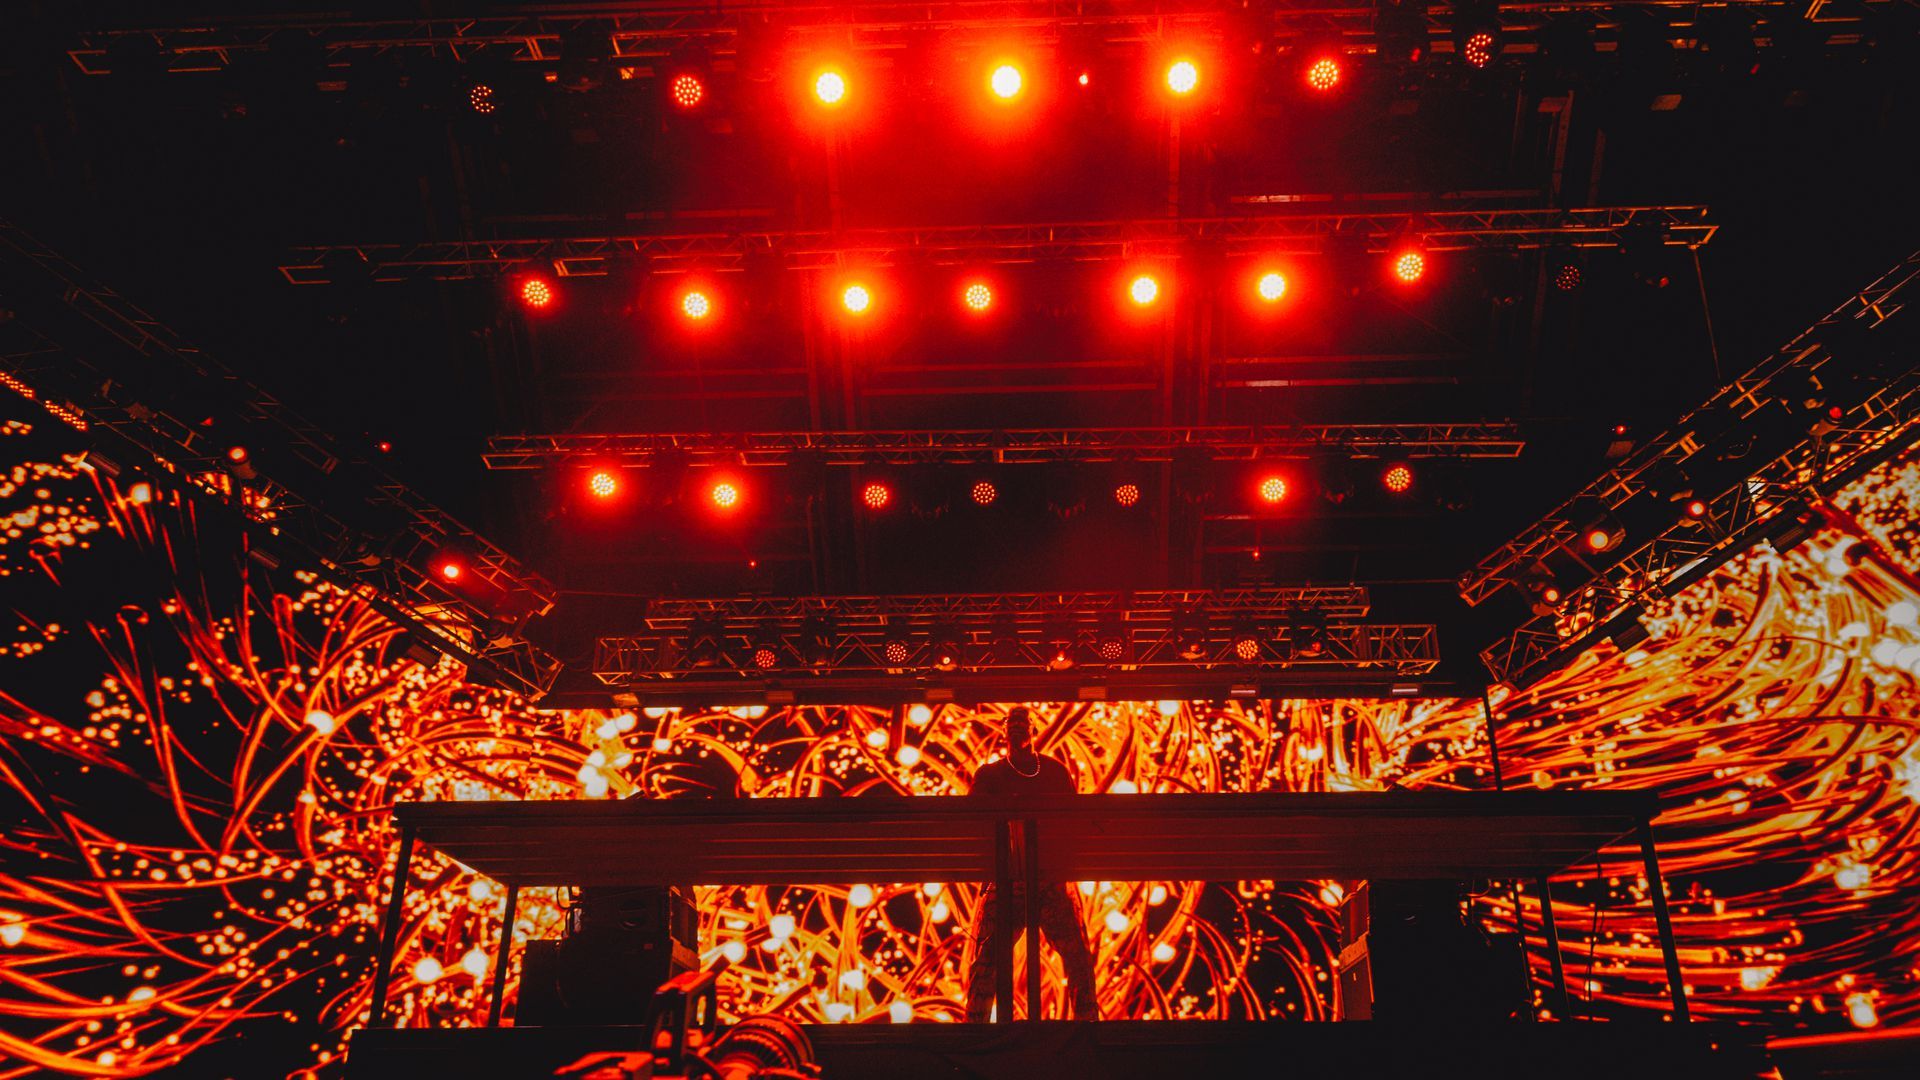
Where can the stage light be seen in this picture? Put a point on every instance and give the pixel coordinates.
(1696, 508)
(766, 656)
(1182, 77)
(1126, 494)
(1273, 489)
(977, 296)
(1144, 290)
(1006, 81)
(536, 293)
(1272, 286)
(450, 570)
(603, 484)
(1246, 644)
(876, 495)
(723, 495)
(830, 87)
(695, 305)
(984, 492)
(1398, 478)
(1111, 642)
(686, 90)
(1408, 266)
(1478, 49)
(1085, 78)
(947, 648)
(895, 651)
(1567, 278)
(856, 299)
(480, 99)
(237, 455)
(1323, 74)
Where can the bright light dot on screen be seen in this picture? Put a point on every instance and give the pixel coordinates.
(1157, 895)
(1273, 489)
(856, 298)
(1162, 952)
(1182, 77)
(1272, 287)
(1409, 265)
(735, 951)
(474, 962)
(977, 296)
(860, 895)
(428, 970)
(695, 305)
(830, 87)
(780, 927)
(900, 1012)
(1006, 81)
(1085, 78)
(320, 721)
(1144, 290)
(1117, 922)
(1861, 1012)
(1324, 74)
(603, 485)
(919, 715)
(907, 755)
(1903, 613)
(877, 738)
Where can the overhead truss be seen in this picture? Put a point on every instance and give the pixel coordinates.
(641, 31)
(1189, 637)
(153, 403)
(1014, 446)
(1786, 463)
(719, 249)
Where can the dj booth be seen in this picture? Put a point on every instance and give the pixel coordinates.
(1376, 836)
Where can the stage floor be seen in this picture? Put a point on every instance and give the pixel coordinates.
(1128, 1050)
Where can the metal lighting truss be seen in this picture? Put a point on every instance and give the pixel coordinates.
(1148, 238)
(1018, 446)
(1816, 457)
(1186, 636)
(642, 31)
(298, 494)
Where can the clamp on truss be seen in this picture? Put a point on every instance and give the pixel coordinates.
(1164, 238)
(1832, 402)
(113, 371)
(1017, 446)
(1189, 637)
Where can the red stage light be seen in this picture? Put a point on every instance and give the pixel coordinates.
(856, 299)
(830, 87)
(977, 296)
(480, 99)
(1398, 478)
(1598, 539)
(1246, 648)
(1409, 265)
(1273, 489)
(695, 305)
(984, 492)
(1085, 78)
(1182, 77)
(450, 570)
(1272, 286)
(1324, 74)
(1144, 290)
(687, 90)
(876, 495)
(1567, 278)
(237, 455)
(724, 495)
(1006, 82)
(1697, 508)
(536, 293)
(1126, 494)
(603, 484)
(765, 657)
(1479, 49)
(895, 652)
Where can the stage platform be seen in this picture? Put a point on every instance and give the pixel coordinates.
(1128, 1050)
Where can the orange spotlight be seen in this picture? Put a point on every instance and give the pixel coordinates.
(1273, 489)
(536, 293)
(237, 455)
(1126, 494)
(977, 297)
(1398, 478)
(695, 305)
(603, 484)
(1144, 290)
(1323, 74)
(1007, 82)
(480, 98)
(449, 570)
(686, 90)
(1409, 265)
(876, 495)
(1182, 77)
(724, 495)
(830, 86)
(1272, 286)
(1085, 78)
(984, 492)
(856, 299)
(1697, 508)
(1479, 49)
(1598, 539)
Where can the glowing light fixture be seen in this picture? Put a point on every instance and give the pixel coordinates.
(1182, 77)
(724, 495)
(1567, 278)
(830, 87)
(876, 495)
(695, 305)
(686, 90)
(977, 297)
(1144, 290)
(536, 293)
(1398, 478)
(480, 99)
(450, 570)
(1273, 490)
(1126, 494)
(984, 492)
(1408, 266)
(1272, 286)
(856, 299)
(603, 484)
(1006, 82)
(1323, 74)
(1478, 50)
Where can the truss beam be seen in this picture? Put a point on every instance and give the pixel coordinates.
(1154, 238)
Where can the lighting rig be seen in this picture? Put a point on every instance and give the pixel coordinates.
(652, 39)
(1210, 643)
(721, 249)
(151, 402)
(1752, 462)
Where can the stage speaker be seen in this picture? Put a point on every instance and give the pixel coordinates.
(620, 945)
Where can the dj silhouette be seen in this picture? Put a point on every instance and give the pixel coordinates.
(1024, 773)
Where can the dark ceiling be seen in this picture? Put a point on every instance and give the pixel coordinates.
(190, 190)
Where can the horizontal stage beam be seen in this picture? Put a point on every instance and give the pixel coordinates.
(720, 249)
(1024, 446)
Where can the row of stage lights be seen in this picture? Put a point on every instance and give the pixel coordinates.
(1271, 488)
(858, 296)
